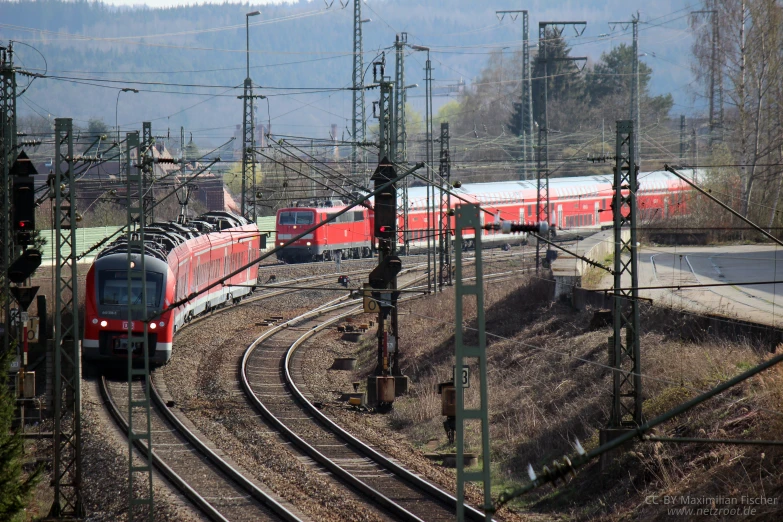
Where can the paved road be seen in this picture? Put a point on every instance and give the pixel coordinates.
(742, 266)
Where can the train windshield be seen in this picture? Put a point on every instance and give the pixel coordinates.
(297, 218)
(113, 288)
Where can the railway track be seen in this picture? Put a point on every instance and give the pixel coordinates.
(209, 481)
(213, 485)
(269, 382)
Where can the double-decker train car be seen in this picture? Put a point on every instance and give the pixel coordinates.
(179, 259)
(575, 203)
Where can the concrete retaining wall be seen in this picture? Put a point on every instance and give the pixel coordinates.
(568, 270)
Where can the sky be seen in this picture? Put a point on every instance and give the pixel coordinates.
(174, 3)
(665, 42)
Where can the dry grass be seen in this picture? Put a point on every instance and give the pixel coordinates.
(548, 386)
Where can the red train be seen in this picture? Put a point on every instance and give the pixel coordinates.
(179, 259)
(575, 203)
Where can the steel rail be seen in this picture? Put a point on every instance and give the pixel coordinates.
(254, 491)
(191, 494)
(299, 442)
(401, 472)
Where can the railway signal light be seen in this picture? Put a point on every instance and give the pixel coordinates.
(385, 201)
(23, 199)
(383, 275)
(23, 268)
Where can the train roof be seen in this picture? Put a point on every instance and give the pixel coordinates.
(563, 187)
(162, 238)
(516, 190)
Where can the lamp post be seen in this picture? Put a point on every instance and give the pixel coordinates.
(248, 135)
(117, 124)
(428, 125)
(247, 36)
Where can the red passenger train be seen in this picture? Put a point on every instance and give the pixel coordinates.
(179, 260)
(575, 203)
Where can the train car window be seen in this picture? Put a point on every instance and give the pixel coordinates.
(113, 288)
(305, 218)
(530, 210)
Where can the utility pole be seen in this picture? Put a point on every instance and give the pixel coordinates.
(526, 99)
(682, 139)
(625, 359)
(387, 380)
(444, 270)
(635, 115)
(248, 203)
(138, 408)
(8, 151)
(400, 145)
(182, 146)
(716, 77)
(67, 472)
(542, 168)
(358, 123)
(146, 162)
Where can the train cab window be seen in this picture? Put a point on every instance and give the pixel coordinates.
(113, 288)
(358, 215)
(296, 218)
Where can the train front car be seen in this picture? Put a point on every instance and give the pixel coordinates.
(180, 261)
(350, 233)
(290, 223)
(106, 306)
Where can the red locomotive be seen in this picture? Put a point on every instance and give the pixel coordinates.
(351, 233)
(179, 260)
(575, 203)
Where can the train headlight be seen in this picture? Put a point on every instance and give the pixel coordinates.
(94, 320)
(104, 323)
(153, 326)
(308, 243)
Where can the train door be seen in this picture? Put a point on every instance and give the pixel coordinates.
(666, 206)
(560, 216)
(596, 214)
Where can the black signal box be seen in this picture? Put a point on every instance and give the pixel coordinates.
(385, 201)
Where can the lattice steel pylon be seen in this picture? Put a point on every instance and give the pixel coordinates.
(626, 359)
(67, 472)
(248, 204)
(444, 244)
(358, 123)
(137, 311)
(543, 206)
(399, 132)
(526, 99)
(146, 161)
(468, 219)
(385, 118)
(542, 156)
(8, 151)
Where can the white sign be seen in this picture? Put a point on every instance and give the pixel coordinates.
(465, 376)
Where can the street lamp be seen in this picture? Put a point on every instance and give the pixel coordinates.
(117, 123)
(247, 35)
(430, 189)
